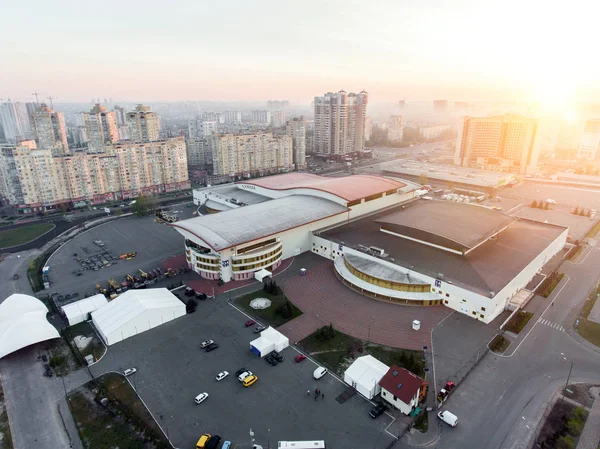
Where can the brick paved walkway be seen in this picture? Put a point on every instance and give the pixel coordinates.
(321, 295)
(300, 327)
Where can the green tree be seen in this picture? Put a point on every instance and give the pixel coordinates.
(565, 442)
(423, 179)
(589, 213)
(141, 206)
(576, 211)
(546, 206)
(451, 185)
(534, 204)
(411, 134)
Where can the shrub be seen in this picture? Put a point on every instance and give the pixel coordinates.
(534, 204)
(565, 442)
(57, 360)
(285, 310)
(326, 333)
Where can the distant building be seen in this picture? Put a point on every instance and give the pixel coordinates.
(507, 137)
(49, 129)
(590, 141)
(277, 119)
(101, 127)
(368, 128)
(461, 106)
(245, 154)
(296, 129)
(261, 117)
(429, 132)
(276, 105)
(143, 125)
(218, 117)
(340, 123)
(199, 152)
(119, 115)
(199, 128)
(14, 118)
(395, 128)
(401, 104)
(233, 117)
(440, 105)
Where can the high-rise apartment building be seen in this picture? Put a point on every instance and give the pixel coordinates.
(429, 132)
(34, 179)
(233, 117)
(440, 105)
(14, 118)
(199, 152)
(296, 129)
(590, 141)
(238, 154)
(277, 105)
(396, 128)
(119, 115)
(101, 127)
(143, 125)
(461, 106)
(263, 117)
(340, 123)
(508, 136)
(49, 129)
(278, 119)
(368, 128)
(199, 128)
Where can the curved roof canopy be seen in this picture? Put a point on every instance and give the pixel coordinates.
(23, 323)
(349, 188)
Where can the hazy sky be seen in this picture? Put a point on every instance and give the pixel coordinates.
(253, 50)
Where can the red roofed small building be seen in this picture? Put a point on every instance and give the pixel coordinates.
(402, 389)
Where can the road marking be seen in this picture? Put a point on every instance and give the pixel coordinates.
(541, 316)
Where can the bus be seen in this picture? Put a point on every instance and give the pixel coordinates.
(318, 444)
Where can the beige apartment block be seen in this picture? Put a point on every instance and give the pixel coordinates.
(143, 125)
(48, 127)
(101, 127)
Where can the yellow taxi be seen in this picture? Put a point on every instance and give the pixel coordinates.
(249, 380)
(202, 441)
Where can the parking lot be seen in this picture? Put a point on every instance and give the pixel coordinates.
(578, 226)
(570, 197)
(152, 241)
(173, 370)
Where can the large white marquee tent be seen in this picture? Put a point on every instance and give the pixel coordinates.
(269, 340)
(22, 323)
(78, 311)
(364, 375)
(136, 311)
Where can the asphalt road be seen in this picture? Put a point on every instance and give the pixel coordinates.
(501, 402)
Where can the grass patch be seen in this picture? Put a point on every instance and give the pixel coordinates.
(518, 321)
(594, 231)
(6, 442)
(270, 315)
(589, 330)
(339, 351)
(422, 422)
(120, 421)
(499, 344)
(574, 252)
(549, 284)
(18, 236)
(562, 427)
(95, 348)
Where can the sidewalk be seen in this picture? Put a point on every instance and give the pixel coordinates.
(590, 437)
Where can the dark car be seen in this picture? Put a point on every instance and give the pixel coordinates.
(211, 347)
(240, 371)
(259, 329)
(200, 295)
(270, 360)
(213, 442)
(277, 356)
(189, 291)
(377, 410)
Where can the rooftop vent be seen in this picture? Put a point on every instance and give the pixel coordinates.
(399, 386)
(440, 275)
(395, 373)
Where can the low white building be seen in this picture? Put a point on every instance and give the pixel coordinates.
(78, 311)
(136, 311)
(269, 340)
(364, 375)
(402, 389)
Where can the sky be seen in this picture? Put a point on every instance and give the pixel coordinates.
(475, 50)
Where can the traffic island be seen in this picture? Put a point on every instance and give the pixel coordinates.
(499, 344)
(518, 321)
(109, 414)
(588, 322)
(279, 312)
(25, 234)
(549, 284)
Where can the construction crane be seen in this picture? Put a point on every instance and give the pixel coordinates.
(37, 100)
(52, 98)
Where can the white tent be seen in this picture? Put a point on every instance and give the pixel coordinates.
(261, 274)
(136, 311)
(270, 339)
(78, 311)
(364, 375)
(22, 323)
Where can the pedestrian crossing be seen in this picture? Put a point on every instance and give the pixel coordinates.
(551, 324)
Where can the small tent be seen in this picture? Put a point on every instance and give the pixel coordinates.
(262, 274)
(269, 340)
(78, 311)
(364, 375)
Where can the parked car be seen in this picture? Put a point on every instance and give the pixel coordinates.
(449, 418)
(222, 375)
(226, 445)
(201, 398)
(277, 356)
(271, 360)
(213, 442)
(189, 291)
(250, 323)
(201, 444)
(259, 329)
(129, 371)
(319, 372)
(200, 295)
(245, 374)
(206, 343)
(377, 410)
(250, 380)
(299, 358)
(240, 371)
(211, 347)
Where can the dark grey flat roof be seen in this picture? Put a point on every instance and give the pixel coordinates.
(488, 268)
(458, 225)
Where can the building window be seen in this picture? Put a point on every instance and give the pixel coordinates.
(481, 315)
(445, 301)
(395, 398)
(483, 309)
(474, 313)
(447, 295)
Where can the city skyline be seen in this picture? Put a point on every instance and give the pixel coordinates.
(458, 51)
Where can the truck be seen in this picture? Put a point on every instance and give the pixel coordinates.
(449, 418)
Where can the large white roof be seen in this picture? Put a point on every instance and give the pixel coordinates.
(367, 370)
(81, 308)
(248, 223)
(22, 323)
(131, 304)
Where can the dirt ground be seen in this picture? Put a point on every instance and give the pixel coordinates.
(581, 394)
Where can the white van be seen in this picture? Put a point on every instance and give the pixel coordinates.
(319, 372)
(448, 418)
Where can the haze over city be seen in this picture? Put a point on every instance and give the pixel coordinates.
(239, 50)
